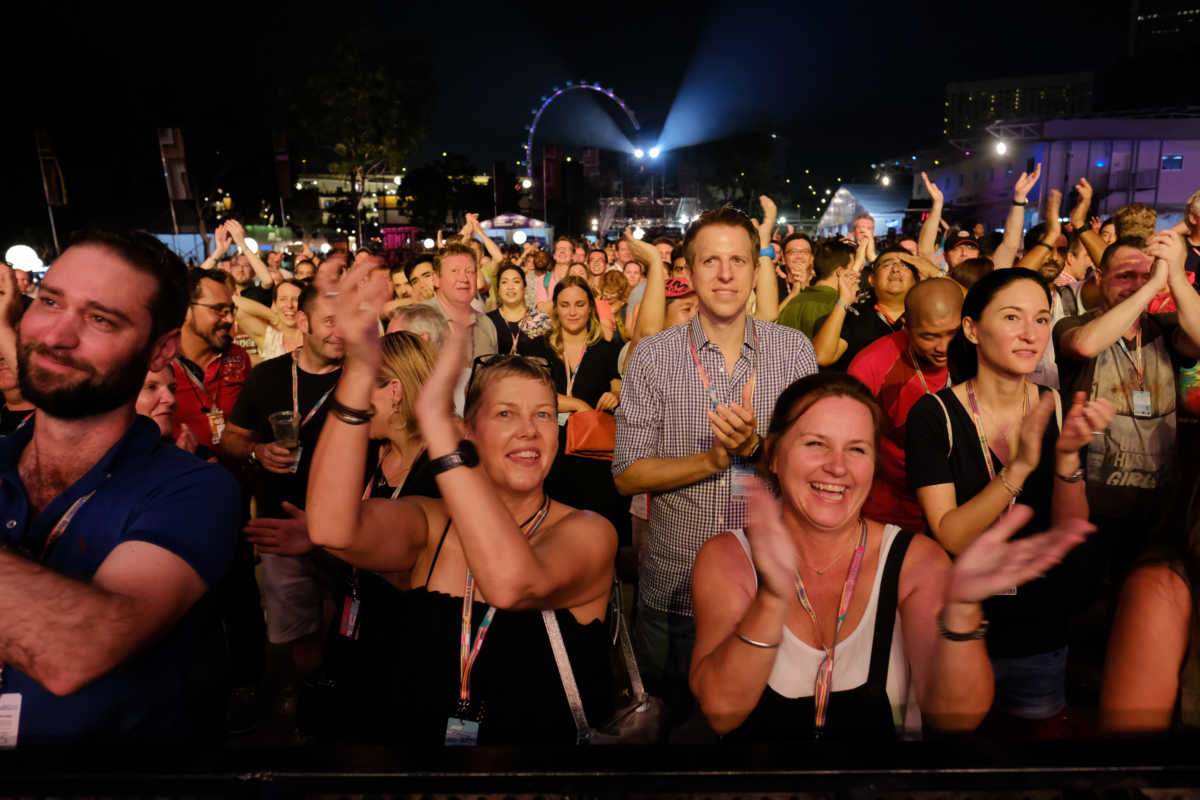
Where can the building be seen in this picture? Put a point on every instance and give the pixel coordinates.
(1157, 26)
(380, 199)
(972, 106)
(1149, 159)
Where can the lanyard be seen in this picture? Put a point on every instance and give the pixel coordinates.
(296, 394)
(1139, 366)
(378, 472)
(567, 368)
(207, 401)
(982, 434)
(823, 686)
(468, 651)
(708, 389)
(884, 318)
(921, 373)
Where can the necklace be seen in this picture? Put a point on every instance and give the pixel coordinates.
(836, 559)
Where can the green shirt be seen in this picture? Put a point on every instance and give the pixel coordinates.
(809, 306)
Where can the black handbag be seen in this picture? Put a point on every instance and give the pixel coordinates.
(638, 722)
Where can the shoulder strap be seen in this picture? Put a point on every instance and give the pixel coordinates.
(949, 428)
(567, 676)
(885, 613)
(438, 552)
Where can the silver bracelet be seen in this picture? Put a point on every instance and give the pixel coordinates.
(755, 642)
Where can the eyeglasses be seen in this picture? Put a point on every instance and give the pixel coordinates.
(221, 310)
(500, 359)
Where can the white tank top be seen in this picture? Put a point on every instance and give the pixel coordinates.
(796, 662)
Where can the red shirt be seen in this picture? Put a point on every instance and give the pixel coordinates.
(223, 379)
(887, 369)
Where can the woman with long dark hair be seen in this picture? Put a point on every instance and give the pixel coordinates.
(976, 448)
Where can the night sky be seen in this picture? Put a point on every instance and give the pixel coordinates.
(847, 82)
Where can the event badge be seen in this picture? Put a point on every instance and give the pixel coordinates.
(1141, 403)
(459, 732)
(349, 624)
(742, 476)
(10, 719)
(216, 424)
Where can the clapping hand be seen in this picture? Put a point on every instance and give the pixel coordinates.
(1084, 420)
(771, 547)
(994, 562)
(1026, 182)
(359, 297)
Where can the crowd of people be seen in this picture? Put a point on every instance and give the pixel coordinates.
(863, 486)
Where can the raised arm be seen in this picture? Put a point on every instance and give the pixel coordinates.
(569, 563)
(495, 255)
(238, 233)
(1045, 245)
(1014, 226)
(376, 534)
(10, 311)
(728, 674)
(1088, 234)
(253, 317)
(221, 242)
(1088, 341)
(1169, 247)
(927, 242)
(766, 289)
(651, 315)
(828, 344)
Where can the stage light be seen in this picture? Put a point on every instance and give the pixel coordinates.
(638, 152)
(428, 244)
(526, 183)
(595, 222)
(23, 257)
(885, 180)
(324, 248)
(1001, 148)
(638, 233)
(251, 245)
(782, 220)
(654, 151)
(519, 237)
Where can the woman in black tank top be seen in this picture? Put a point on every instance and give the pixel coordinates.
(471, 661)
(779, 652)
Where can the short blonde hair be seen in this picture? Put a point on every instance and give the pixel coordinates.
(1135, 220)
(1193, 203)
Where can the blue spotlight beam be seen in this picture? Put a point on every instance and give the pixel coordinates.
(558, 92)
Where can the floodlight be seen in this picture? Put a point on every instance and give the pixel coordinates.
(397, 179)
(429, 243)
(638, 233)
(526, 183)
(654, 151)
(638, 152)
(324, 248)
(251, 245)
(885, 180)
(22, 256)
(1001, 148)
(519, 237)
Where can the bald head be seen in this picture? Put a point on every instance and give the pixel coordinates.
(933, 299)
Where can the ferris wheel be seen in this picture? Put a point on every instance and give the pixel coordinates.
(557, 92)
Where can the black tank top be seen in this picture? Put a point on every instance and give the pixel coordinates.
(862, 711)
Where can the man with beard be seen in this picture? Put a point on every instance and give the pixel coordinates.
(209, 368)
(300, 382)
(900, 369)
(111, 539)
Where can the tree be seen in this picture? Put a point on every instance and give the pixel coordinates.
(364, 113)
(441, 191)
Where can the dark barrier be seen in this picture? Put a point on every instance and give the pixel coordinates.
(963, 767)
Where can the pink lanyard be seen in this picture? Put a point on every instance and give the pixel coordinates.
(296, 395)
(823, 687)
(567, 368)
(982, 434)
(708, 389)
(1139, 366)
(468, 651)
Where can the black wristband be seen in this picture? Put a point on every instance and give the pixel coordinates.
(1021, 203)
(350, 416)
(952, 636)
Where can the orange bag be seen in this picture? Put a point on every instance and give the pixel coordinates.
(591, 434)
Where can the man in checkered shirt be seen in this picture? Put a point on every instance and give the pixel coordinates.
(673, 443)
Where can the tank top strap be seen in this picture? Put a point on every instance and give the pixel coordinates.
(438, 551)
(885, 614)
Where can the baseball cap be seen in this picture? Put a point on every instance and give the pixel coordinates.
(958, 238)
(679, 287)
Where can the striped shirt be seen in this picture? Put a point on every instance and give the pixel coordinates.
(662, 415)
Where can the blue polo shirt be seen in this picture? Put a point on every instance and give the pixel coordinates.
(145, 490)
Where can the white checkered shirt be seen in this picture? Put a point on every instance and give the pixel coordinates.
(662, 415)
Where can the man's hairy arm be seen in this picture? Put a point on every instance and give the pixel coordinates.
(66, 633)
(664, 474)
